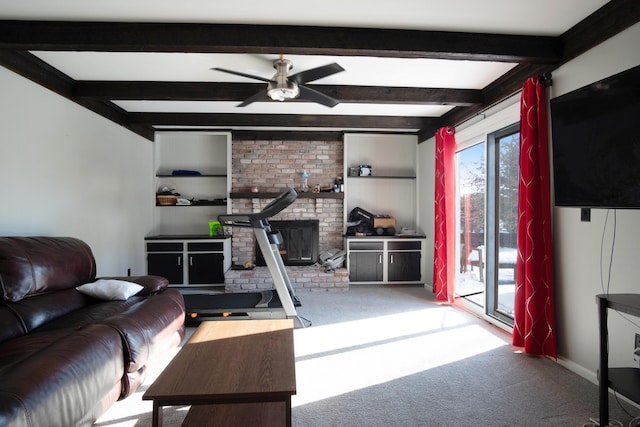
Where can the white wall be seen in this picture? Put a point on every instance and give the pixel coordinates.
(426, 194)
(577, 244)
(66, 171)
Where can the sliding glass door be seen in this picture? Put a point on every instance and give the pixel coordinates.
(502, 197)
(487, 196)
(471, 192)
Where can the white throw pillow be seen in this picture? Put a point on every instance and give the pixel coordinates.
(110, 289)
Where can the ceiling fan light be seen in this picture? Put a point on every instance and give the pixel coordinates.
(282, 93)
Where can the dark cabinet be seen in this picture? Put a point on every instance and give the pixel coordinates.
(404, 261)
(166, 259)
(189, 262)
(205, 267)
(166, 265)
(391, 260)
(404, 266)
(365, 267)
(366, 261)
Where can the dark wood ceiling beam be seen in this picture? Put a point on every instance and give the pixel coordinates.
(117, 115)
(611, 19)
(205, 91)
(166, 91)
(502, 88)
(402, 95)
(275, 39)
(38, 71)
(266, 135)
(280, 120)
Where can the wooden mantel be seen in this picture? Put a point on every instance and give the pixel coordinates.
(272, 195)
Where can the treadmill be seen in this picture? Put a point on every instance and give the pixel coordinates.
(254, 305)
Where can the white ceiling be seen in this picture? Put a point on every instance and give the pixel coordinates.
(365, 71)
(539, 17)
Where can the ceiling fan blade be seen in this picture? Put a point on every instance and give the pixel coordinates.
(260, 96)
(237, 73)
(315, 96)
(316, 73)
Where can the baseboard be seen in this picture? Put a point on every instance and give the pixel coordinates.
(578, 370)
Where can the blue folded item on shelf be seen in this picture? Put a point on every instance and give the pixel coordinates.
(185, 172)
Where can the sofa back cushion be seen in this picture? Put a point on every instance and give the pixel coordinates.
(10, 324)
(37, 265)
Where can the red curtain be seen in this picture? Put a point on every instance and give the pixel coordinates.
(534, 319)
(444, 234)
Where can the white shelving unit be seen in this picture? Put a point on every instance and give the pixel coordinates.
(209, 153)
(392, 187)
(390, 190)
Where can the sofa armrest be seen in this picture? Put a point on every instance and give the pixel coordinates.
(152, 284)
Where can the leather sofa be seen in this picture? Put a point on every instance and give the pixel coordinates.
(66, 357)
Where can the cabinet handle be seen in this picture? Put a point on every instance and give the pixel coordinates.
(380, 259)
(179, 259)
(391, 259)
(190, 261)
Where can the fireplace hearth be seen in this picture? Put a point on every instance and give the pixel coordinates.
(300, 241)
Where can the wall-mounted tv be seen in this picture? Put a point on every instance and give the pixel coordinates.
(596, 143)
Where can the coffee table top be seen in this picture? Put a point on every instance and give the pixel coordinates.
(230, 361)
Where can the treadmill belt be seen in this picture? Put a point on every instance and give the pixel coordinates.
(222, 301)
(235, 301)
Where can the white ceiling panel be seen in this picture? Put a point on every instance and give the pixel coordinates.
(276, 107)
(540, 17)
(196, 67)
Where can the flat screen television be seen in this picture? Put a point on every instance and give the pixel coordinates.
(596, 143)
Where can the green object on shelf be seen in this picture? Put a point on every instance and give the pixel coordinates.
(213, 228)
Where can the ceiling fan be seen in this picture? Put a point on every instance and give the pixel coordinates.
(283, 86)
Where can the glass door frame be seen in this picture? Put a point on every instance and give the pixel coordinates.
(492, 237)
(469, 294)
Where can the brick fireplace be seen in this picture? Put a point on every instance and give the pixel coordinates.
(272, 166)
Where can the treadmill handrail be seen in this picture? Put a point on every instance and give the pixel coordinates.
(256, 220)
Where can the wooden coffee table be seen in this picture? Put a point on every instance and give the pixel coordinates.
(229, 370)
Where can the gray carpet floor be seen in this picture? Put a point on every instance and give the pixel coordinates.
(391, 356)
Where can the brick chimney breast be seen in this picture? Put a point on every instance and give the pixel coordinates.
(272, 166)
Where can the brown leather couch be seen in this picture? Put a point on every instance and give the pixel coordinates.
(66, 357)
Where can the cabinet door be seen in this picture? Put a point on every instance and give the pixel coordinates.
(167, 265)
(404, 266)
(206, 268)
(365, 266)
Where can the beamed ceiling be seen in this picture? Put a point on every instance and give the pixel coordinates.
(149, 76)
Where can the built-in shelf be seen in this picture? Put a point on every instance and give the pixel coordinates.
(382, 177)
(192, 176)
(272, 195)
(391, 189)
(197, 203)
